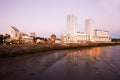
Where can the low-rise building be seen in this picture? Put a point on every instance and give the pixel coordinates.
(14, 33)
(78, 37)
(101, 36)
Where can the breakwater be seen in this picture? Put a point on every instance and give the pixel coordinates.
(17, 50)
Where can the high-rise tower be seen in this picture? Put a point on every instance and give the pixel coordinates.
(89, 27)
(71, 24)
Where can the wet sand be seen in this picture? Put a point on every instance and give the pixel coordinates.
(96, 63)
(25, 49)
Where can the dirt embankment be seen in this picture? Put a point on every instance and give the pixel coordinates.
(17, 50)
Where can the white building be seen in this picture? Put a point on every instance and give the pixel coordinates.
(70, 36)
(101, 36)
(90, 35)
(14, 33)
(89, 28)
(17, 35)
(79, 37)
(71, 24)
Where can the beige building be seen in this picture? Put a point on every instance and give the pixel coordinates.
(17, 35)
(80, 36)
(89, 28)
(101, 36)
(14, 33)
(70, 36)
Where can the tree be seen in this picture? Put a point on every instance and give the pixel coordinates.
(1, 39)
(6, 36)
(53, 38)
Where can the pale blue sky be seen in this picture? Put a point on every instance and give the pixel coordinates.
(49, 16)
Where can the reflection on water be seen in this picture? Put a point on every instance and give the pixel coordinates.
(91, 56)
(98, 63)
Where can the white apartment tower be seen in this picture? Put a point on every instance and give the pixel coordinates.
(89, 28)
(71, 24)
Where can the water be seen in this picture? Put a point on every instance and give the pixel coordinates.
(98, 63)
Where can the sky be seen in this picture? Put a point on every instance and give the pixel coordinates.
(46, 17)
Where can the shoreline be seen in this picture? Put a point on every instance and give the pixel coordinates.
(26, 49)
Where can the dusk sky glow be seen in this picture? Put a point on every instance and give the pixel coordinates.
(45, 17)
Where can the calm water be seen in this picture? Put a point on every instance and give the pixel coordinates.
(99, 63)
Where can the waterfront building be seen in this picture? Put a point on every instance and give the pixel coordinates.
(89, 28)
(71, 24)
(101, 35)
(17, 35)
(70, 36)
(79, 37)
(14, 33)
(90, 34)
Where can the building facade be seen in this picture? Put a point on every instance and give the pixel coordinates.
(14, 33)
(101, 35)
(71, 24)
(90, 34)
(79, 37)
(89, 28)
